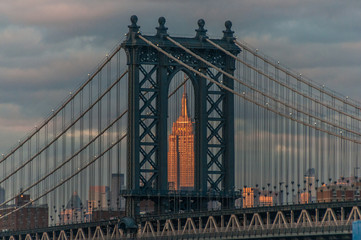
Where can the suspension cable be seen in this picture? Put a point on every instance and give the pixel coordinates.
(177, 88)
(279, 82)
(258, 91)
(72, 96)
(68, 160)
(84, 147)
(65, 180)
(65, 130)
(240, 95)
(308, 83)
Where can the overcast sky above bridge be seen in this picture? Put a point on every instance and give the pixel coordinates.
(47, 48)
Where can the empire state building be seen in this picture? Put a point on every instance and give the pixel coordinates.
(181, 151)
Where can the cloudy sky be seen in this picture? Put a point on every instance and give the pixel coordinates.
(48, 47)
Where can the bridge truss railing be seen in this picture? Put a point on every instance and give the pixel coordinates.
(277, 222)
(329, 221)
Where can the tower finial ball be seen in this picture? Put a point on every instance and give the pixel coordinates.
(161, 21)
(228, 25)
(201, 23)
(134, 19)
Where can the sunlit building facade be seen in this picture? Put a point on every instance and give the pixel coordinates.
(265, 200)
(250, 197)
(181, 151)
(305, 197)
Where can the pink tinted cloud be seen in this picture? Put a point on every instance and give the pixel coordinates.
(12, 118)
(56, 12)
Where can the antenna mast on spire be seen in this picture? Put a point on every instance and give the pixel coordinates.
(184, 83)
(184, 99)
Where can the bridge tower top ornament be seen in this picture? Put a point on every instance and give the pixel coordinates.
(150, 73)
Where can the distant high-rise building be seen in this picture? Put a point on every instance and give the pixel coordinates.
(28, 215)
(73, 210)
(181, 151)
(254, 197)
(22, 199)
(117, 184)
(345, 189)
(265, 200)
(74, 202)
(99, 203)
(2, 195)
(304, 197)
(310, 186)
(98, 197)
(250, 197)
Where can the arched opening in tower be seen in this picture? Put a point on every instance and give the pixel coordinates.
(181, 154)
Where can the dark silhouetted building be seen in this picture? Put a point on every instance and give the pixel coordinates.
(2, 195)
(99, 197)
(98, 207)
(26, 217)
(117, 202)
(310, 185)
(74, 210)
(345, 189)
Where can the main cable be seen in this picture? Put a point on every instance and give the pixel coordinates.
(296, 77)
(238, 94)
(84, 147)
(72, 96)
(258, 91)
(65, 180)
(280, 83)
(68, 160)
(65, 129)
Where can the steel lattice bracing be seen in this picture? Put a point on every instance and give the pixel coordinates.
(275, 152)
(149, 78)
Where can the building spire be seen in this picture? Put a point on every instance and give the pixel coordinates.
(185, 100)
(181, 149)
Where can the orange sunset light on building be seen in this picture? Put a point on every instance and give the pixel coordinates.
(181, 151)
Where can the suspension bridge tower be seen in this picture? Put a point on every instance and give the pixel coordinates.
(150, 74)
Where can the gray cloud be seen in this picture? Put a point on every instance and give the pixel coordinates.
(48, 47)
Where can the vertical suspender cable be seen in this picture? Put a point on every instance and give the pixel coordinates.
(100, 142)
(108, 172)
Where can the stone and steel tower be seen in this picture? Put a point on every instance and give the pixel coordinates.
(181, 151)
(149, 75)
